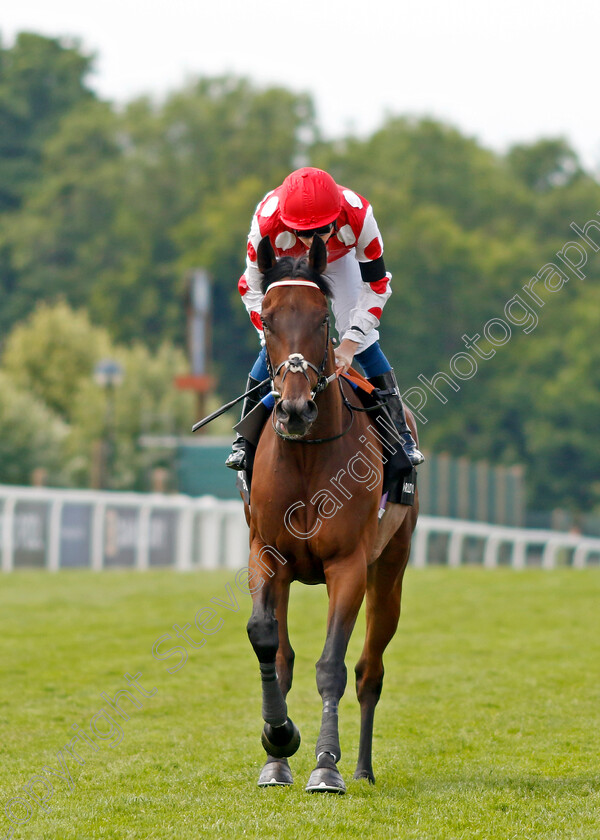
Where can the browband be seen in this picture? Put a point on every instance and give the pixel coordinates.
(292, 283)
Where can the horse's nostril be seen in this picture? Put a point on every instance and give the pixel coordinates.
(296, 415)
(310, 411)
(282, 409)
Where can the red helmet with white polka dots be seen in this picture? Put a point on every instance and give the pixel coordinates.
(310, 199)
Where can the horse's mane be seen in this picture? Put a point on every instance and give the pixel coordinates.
(294, 268)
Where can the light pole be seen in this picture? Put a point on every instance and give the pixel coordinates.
(198, 312)
(107, 374)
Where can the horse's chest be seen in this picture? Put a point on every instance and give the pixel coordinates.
(314, 526)
(308, 508)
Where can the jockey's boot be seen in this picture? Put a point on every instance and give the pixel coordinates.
(236, 460)
(387, 386)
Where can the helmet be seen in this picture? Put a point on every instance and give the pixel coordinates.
(310, 198)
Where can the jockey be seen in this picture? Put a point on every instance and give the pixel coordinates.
(309, 203)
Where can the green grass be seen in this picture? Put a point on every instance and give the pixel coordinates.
(488, 726)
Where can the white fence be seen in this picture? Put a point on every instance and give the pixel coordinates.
(59, 529)
(460, 542)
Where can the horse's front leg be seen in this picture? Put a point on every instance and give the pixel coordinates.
(267, 631)
(346, 580)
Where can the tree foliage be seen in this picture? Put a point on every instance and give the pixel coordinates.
(48, 374)
(31, 436)
(41, 80)
(53, 353)
(146, 403)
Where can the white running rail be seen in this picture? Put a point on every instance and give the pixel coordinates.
(495, 545)
(58, 529)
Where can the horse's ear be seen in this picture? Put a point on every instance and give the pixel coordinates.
(317, 256)
(265, 255)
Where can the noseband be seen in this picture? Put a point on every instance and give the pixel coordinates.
(295, 362)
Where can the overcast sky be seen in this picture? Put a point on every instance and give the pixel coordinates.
(503, 72)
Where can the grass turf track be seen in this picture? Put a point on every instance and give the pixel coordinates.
(488, 727)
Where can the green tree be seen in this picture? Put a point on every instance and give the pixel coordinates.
(41, 80)
(125, 204)
(53, 353)
(464, 230)
(31, 436)
(146, 403)
(49, 363)
(408, 163)
(67, 232)
(111, 210)
(545, 164)
(196, 168)
(562, 430)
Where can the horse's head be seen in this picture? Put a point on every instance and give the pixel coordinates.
(296, 324)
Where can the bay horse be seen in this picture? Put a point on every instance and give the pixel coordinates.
(313, 517)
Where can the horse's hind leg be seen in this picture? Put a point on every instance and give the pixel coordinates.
(384, 592)
(280, 737)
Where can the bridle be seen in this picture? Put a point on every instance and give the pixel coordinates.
(296, 363)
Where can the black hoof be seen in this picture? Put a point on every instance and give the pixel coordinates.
(281, 741)
(326, 778)
(365, 774)
(275, 772)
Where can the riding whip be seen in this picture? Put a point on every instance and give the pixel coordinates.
(227, 406)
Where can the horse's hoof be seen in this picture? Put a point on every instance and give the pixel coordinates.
(281, 741)
(326, 780)
(276, 772)
(365, 774)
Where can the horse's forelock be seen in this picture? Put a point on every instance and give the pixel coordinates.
(294, 268)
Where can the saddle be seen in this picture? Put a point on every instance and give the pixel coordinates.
(399, 475)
